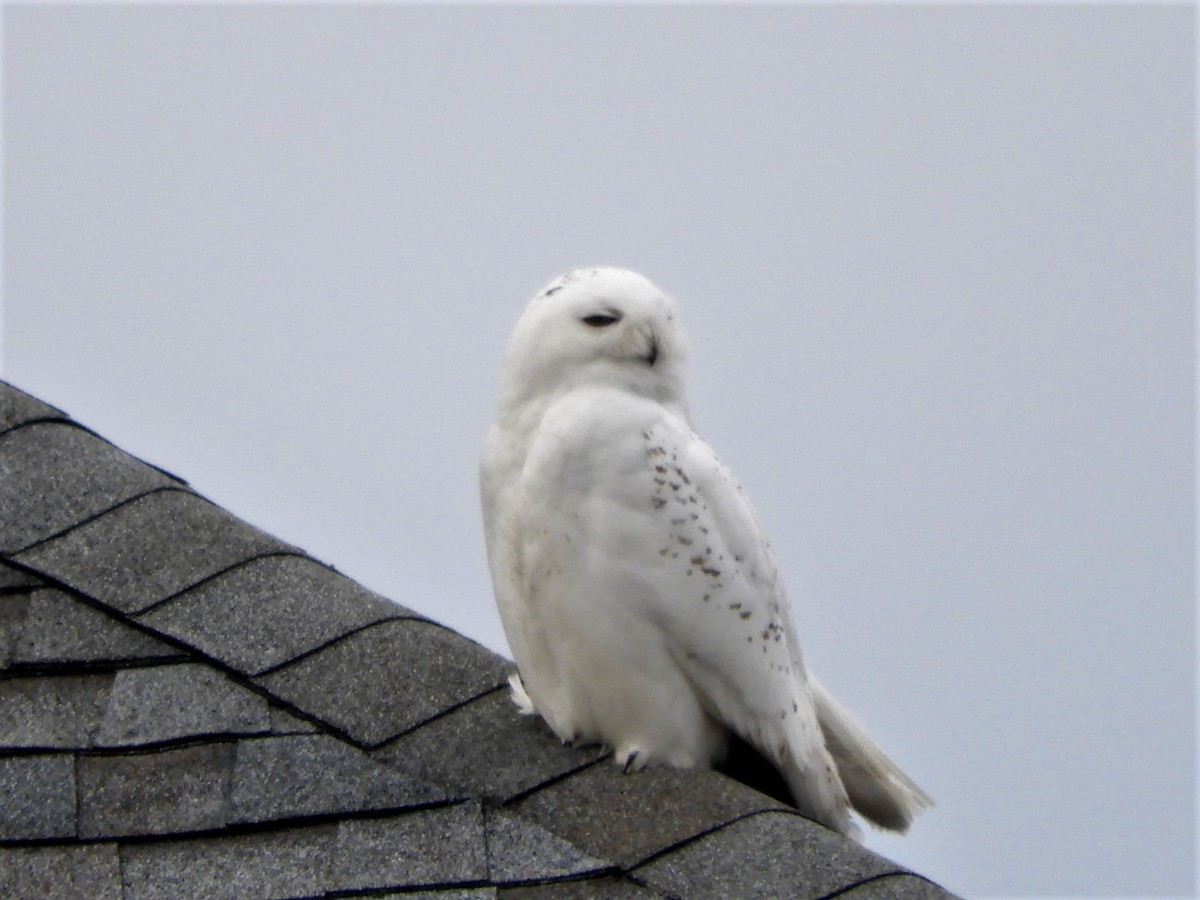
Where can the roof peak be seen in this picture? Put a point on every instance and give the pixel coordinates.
(187, 700)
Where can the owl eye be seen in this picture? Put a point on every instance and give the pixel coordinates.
(601, 320)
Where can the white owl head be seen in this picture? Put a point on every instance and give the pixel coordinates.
(597, 327)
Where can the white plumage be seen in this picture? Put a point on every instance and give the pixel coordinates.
(640, 599)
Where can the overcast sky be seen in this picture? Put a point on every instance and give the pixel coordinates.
(938, 268)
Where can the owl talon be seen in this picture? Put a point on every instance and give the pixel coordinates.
(520, 699)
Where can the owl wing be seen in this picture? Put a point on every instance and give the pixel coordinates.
(729, 627)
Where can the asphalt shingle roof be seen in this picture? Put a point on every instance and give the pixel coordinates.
(190, 707)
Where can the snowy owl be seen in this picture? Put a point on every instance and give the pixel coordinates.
(637, 591)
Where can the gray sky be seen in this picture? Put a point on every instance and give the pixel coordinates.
(938, 269)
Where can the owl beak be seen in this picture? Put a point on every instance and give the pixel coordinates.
(652, 356)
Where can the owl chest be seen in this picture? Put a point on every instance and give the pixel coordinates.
(590, 499)
(589, 457)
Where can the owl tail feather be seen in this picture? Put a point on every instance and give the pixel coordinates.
(877, 788)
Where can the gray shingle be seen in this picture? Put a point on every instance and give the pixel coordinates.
(283, 722)
(61, 629)
(88, 872)
(289, 863)
(269, 611)
(53, 476)
(12, 579)
(306, 775)
(436, 846)
(444, 845)
(753, 856)
(163, 703)
(898, 887)
(52, 712)
(154, 793)
(150, 549)
(609, 888)
(39, 797)
(523, 851)
(388, 678)
(498, 753)
(642, 813)
(13, 609)
(18, 407)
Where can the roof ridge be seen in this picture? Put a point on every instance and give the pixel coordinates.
(232, 567)
(334, 641)
(66, 421)
(700, 835)
(11, 556)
